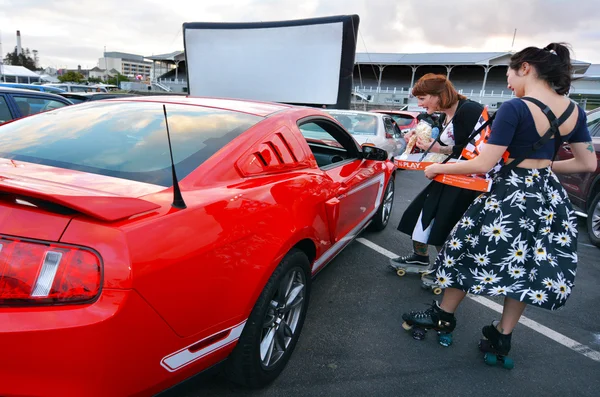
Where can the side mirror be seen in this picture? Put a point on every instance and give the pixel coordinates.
(374, 153)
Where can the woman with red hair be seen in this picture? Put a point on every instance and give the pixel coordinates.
(434, 212)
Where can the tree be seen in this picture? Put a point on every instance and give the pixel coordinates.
(117, 79)
(23, 59)
(94, 80)
(71, 76)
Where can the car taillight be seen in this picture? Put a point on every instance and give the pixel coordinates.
(34, 272)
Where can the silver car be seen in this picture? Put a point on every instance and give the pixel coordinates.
(379, 130)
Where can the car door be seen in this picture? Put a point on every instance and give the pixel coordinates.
(394, 131)
(357, 183)
(575, 184)
(5, 112)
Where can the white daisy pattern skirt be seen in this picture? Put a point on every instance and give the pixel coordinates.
(518, 240)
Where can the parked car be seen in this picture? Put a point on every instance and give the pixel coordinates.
(370, 128)
(68, 87)
(152, 272)
(584, 188)
(16, 103)
(34, 87)
(407, 121)
(79, 97)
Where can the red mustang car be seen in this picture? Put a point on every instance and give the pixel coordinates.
(114, 284)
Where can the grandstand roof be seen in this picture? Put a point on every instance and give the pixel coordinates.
(593, 72)
(442, 58)
(171, 56)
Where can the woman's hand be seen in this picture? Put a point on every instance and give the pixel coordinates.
(433, 170)
(408, 135)
(424, 143)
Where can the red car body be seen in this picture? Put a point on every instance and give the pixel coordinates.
(164, 293)
(406, 120)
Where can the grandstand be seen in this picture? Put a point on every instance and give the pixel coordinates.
(384, 80)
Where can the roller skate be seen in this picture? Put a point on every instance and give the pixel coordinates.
(418, 322)
(429, 281)
(495, 346)
(412, 263)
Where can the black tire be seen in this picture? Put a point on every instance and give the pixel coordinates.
(245, 365)
(381, 218)
(593, 222)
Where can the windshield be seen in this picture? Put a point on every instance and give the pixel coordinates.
(123, 139)
(357, 123)
(402, 120)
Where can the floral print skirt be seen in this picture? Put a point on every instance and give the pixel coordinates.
(518, 240)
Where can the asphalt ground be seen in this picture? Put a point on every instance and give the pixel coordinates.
(352, 343)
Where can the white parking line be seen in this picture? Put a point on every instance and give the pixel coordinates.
(547, 332)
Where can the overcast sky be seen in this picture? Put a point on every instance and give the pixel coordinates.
(68, 33)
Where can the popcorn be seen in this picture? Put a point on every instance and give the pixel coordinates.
(423, 130)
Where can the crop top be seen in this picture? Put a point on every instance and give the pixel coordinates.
(514, 127)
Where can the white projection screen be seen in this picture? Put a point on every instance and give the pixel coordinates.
(304, 62)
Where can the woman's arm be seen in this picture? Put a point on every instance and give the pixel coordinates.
(584, 159)
(487, 159)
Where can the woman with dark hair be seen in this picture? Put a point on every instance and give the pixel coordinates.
(434, 212)
(520, 239)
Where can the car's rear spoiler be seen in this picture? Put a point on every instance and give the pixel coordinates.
(99, 205)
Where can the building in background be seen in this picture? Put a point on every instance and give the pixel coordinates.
(130, 65)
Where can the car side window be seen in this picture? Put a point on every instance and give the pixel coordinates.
(5, 114)
(391, 128)
(31, 105)
(331, 146)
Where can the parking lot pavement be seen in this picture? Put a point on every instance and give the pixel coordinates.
(353, 344)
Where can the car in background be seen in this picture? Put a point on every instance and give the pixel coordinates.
(16, 103)
(373, 129)
(584, 188)
(79, 97)
(406, 120)
(158, 265)
(33, 87)
(67, 87)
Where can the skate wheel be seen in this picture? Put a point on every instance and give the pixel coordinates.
(490, 359)
(483, 345)
(406, 326)
(401, 272)
(445, 339)
(437, 290)
(508, 363)
(418, 334)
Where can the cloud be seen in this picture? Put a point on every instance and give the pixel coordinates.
(74, 32)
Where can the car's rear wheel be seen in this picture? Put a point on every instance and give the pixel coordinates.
(383, 214)
(593, 221)
(273, 328)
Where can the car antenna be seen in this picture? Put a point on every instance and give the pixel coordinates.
(177, 197)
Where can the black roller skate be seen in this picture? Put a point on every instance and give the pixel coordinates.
(496, 346)
(433, 318)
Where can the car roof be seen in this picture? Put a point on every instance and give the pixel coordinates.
(348, 111)
(10, 90)
(399, 112)
(256, 108)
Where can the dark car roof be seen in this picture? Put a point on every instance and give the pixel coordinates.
(8, 90)
(89, 94)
